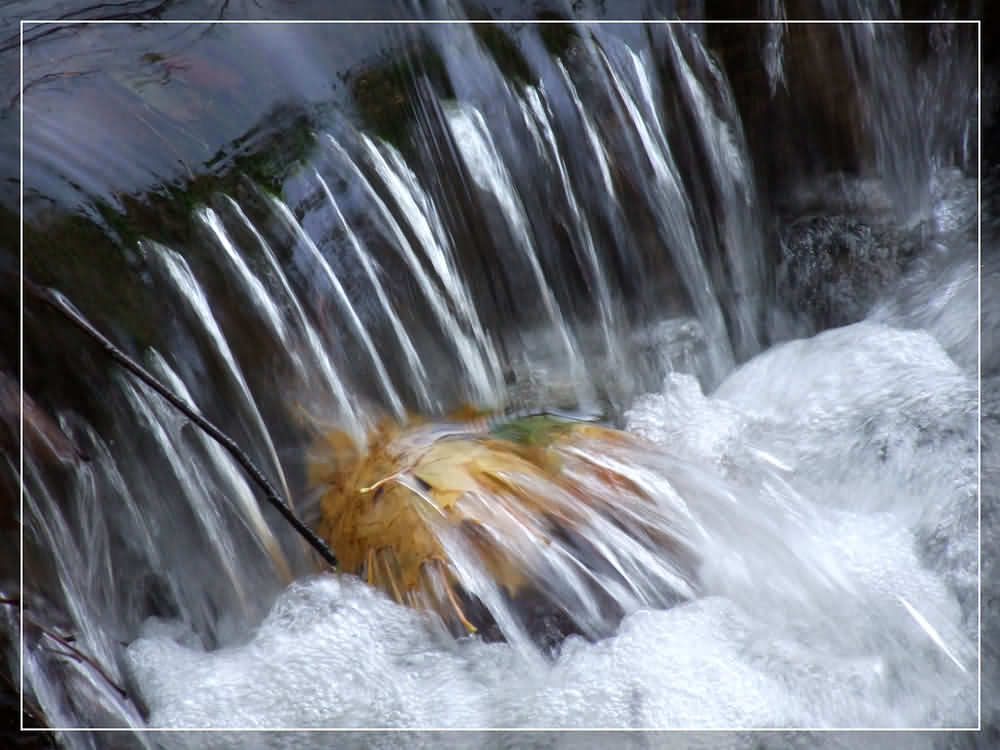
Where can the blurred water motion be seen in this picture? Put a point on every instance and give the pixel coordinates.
(299, 227)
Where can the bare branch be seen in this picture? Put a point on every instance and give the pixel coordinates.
(71, 651)
(61, 305)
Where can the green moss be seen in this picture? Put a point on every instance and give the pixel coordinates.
(267, 154)
(118, 223)
(95, 258)
(557, 37)
(76, 254)
(381, 97)
(531, 430)
(270, 164)
(505, 52)
(384, 94)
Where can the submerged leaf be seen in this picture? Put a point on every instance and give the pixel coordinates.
(429, 511)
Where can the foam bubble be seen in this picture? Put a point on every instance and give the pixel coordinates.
(836, 583)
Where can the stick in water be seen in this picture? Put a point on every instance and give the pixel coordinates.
(64, 308)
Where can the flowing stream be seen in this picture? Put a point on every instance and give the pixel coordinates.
(586, 224)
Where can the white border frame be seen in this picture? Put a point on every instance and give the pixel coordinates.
(979, 380)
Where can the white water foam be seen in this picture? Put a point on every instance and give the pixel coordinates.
(855, 619)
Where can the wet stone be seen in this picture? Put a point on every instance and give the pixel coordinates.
(833, 269)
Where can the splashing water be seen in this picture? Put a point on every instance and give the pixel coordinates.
(794, 569)
(787, 538)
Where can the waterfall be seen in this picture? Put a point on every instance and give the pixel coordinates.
(744, 299)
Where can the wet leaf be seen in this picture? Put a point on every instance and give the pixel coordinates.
(398, 511)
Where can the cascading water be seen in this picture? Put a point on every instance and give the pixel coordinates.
(571, 221)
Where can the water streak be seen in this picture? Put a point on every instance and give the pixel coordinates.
(475, 142)
(234, 484)
(728, 155)
(474, 350)
(316, 257)
(672, 207)
(419, 379)
(584, 244)
(185, 283)
(254, 290)
(795, 533)
(319, 358)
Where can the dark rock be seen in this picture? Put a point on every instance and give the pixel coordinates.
(834, 268)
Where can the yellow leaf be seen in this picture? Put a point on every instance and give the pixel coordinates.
(392, 512)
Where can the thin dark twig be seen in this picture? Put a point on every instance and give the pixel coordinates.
(71, 651)
(47, 77)
(59, 303)
(74, 653)
(138, 16)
